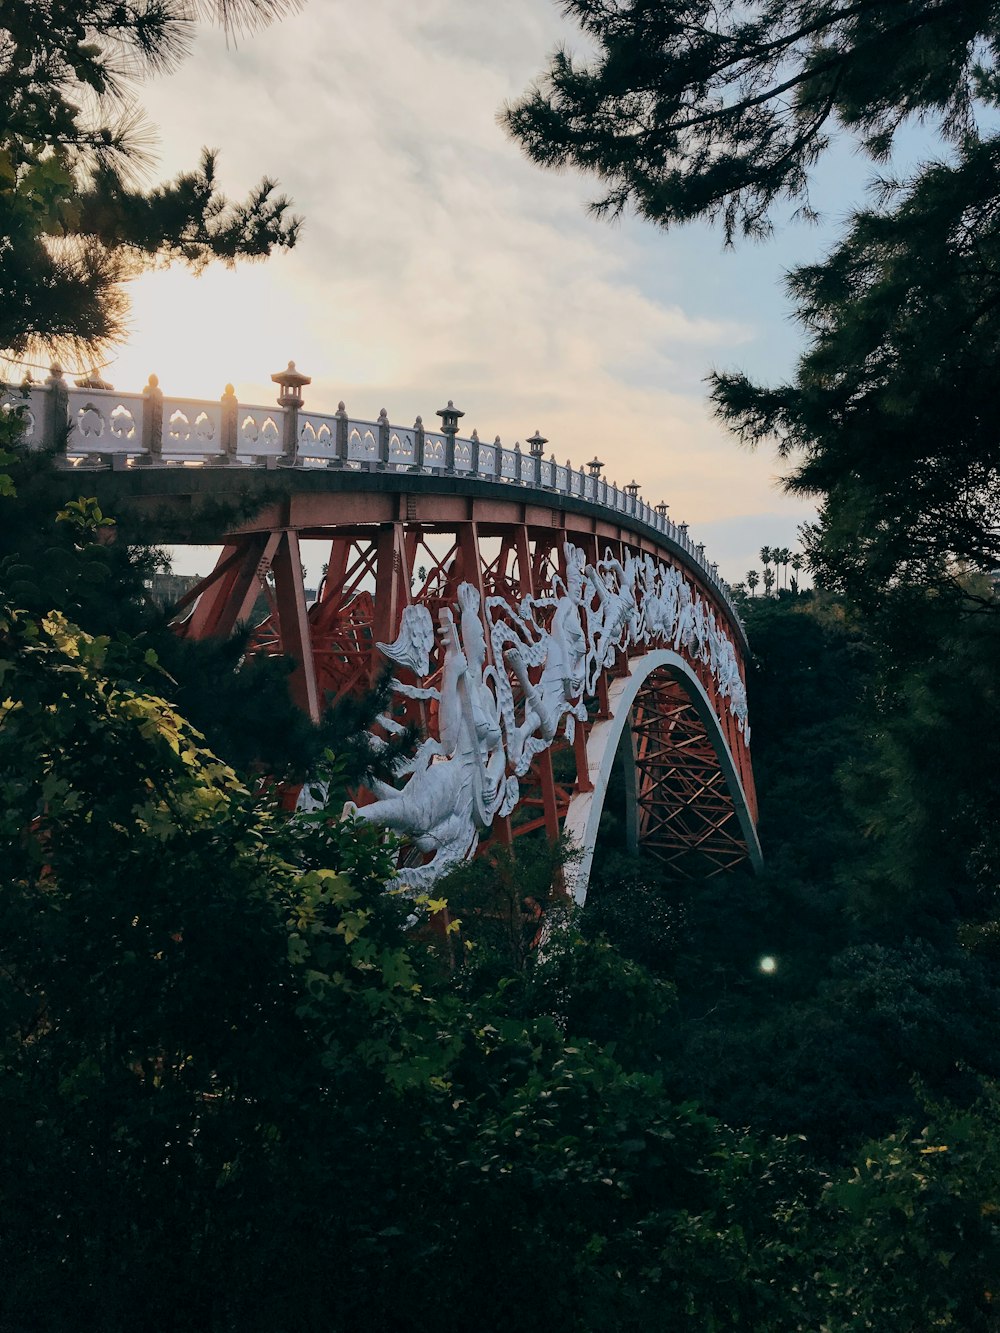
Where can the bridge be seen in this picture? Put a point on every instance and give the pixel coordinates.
(553, 635)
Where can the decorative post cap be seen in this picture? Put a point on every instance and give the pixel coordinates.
(449, 418)
(662, 508)
(536, 443)
(92, 380)
(713, 569)
(700, 550)
(633, 488)
(595, 466)
(292, 381)
(682, 528)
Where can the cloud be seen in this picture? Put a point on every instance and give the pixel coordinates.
(436, 262)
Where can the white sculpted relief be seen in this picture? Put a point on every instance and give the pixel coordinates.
(458, 783)
(548, 654)
(412, 646)
(560, 651)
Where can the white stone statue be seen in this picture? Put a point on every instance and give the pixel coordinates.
(561, 652)
(412, 646)
(612, 623)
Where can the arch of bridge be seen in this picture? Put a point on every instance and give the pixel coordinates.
(736, 833)
(506, 543)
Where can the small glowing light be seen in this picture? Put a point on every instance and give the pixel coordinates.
(768, 964)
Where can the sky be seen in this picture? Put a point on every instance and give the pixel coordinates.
(436, 262)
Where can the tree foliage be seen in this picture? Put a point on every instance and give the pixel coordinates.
(890, 417)
(692, 110)
(75, 221)
(216, 1041)
(230, 1074)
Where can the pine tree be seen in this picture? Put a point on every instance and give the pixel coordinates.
(891, 417)
(696, 110)
(75, 221)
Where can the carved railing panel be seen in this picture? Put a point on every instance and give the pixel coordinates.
(259, 432)
(29, 404)
(402, 448)
(192, 429)
(362, 442)
(317, 438)
(434, 450)
(104, 422)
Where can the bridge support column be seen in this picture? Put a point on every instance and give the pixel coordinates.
(293, 622)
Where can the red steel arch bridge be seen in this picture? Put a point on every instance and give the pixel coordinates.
(546, 628)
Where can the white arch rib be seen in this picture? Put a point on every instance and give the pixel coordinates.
(585, 809)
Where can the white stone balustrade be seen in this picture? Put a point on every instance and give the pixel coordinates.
(104, 428)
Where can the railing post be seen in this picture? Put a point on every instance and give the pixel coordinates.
(291, 382)
(383, 441)
(56, 405)
(152, 420)
(518, 464)
(230, 415)
(474, 453)
(418, 445)
(339, 458)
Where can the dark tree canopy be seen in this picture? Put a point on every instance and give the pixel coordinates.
(75, 219)
(692, 109)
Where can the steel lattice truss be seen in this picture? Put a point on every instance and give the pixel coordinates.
(687, 817)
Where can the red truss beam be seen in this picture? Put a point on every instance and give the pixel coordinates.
(687, 817)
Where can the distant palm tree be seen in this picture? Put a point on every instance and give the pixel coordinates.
(768, 580)
(753, 578)
(766, 556)
(782, 557)
(798, 560)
